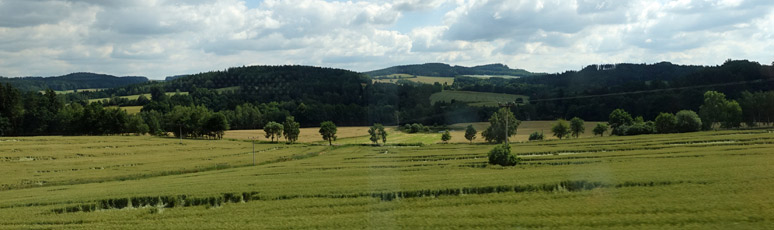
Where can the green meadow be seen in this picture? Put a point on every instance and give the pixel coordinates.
(716, 179)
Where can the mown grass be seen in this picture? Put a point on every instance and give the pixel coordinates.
(677, 181)
(476, 98)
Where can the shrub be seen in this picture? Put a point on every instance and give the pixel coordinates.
(666, 123)
(446, 136)
(687, 121)
(639, 128)
(535, 136)
(501, 155)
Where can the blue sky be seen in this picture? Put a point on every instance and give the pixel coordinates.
(158, 38)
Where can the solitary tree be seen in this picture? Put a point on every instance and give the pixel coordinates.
(377, 132)
(328, 131)
(561, 129)
(273, 130)
(600, 129)
(576, 127)
(497, 126)
(291, 129)
(470, 133)
(446, 136)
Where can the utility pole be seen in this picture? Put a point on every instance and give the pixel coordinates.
(253, 138)
(181, 133)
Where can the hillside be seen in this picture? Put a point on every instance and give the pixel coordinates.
(72, 81)
(445, 70)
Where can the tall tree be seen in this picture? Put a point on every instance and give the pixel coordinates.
(561, 129)
(470, 133)
(576, 127)
(496, 132)
(328, 131)
(273, 130)
(291, 129)
(666, 123)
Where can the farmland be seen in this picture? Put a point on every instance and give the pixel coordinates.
(134, 97)
(718, 179)
(476, 98)
(359, 134)
(393, 78)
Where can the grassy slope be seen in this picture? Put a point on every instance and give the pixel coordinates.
(475, 98)
(677, 181)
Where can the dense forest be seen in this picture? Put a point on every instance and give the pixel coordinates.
(250, 97)
(642, 89)
(71, 81)
(445, 70)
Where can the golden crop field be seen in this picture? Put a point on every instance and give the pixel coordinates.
(717, 179)
(359, 134)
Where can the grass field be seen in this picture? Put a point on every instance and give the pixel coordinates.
(476, 98)
(718, 180)
(134, 97)
(393, 78)
(130, 109)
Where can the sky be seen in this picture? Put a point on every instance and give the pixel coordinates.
(159, 38)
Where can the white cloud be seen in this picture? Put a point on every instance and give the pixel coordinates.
(157, 38)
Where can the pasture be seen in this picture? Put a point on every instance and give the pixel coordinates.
(476, 98)
(701, 180)
(134, 97)
(393, 78)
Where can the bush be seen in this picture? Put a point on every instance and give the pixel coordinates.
(501, 155)
(639, 128)
(687, 121)
(535, 136)
(666, 123)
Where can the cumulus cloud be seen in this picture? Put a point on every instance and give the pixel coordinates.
(157, 38)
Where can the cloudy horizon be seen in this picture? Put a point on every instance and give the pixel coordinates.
(159, 38)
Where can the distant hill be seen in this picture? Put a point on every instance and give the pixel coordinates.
(72, 81)
(445, 70)
(174, 77)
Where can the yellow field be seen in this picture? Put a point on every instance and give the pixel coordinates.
(307, 135)
(359, 134)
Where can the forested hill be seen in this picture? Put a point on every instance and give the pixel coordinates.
(644, 89)
(445, 70)
(72, 81)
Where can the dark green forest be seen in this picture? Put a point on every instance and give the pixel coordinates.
(71, 81)
(252, 96)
